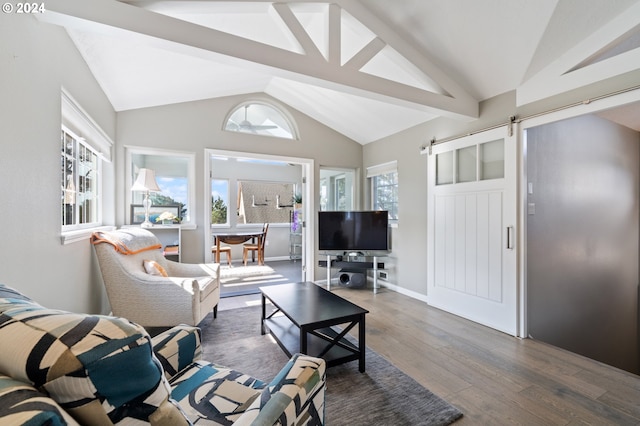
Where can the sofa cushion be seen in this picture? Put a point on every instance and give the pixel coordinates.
(85, 363)
(214, 395)
(21, 404)
(9, 293)
(177, 348)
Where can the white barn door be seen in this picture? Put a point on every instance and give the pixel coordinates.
(472, 217)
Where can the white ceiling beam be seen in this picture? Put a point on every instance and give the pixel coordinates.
(189, 38)
(417, 57)
(334, 34)
(292, 23)
(565, 73)
(365, 54)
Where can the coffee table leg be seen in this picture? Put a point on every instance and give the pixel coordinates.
(361, 344)
(303, 341)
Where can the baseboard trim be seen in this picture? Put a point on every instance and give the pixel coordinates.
(381, 284)
(402, 290)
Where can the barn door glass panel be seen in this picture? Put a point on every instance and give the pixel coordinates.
(444, 168)
(492, 160)
(466, 167)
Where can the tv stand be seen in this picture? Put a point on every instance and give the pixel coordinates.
(354, 265)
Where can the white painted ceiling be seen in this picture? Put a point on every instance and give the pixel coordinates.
(399, 63)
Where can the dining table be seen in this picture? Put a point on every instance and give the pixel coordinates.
(239, 237)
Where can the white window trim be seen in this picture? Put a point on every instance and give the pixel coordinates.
(82, 234)
(75, 120)
(382, 169)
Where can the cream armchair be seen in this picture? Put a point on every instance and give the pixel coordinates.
(150, 290)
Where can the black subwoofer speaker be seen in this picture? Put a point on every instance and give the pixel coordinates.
(352, 279)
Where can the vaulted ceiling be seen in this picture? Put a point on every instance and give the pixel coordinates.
(366, 68)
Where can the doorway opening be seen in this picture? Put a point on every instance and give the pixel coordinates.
(244, 193)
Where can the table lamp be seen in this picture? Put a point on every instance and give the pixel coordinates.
(146, 182)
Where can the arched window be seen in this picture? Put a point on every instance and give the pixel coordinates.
(260, 118)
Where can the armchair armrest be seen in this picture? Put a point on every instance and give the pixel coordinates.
(177, 347)
(296, 393)
(176, 269)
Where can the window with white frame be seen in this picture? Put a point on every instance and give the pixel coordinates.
(80, 183)
(175, 176)
(261, 118)
(84, 149)
(337, 189)
(383, 179)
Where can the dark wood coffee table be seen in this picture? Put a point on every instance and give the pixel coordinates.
(309, 320)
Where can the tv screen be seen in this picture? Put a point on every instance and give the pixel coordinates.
(353, 231)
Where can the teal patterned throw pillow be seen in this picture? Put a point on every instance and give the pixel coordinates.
(99, 369)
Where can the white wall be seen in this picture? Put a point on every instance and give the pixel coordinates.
(36, 60)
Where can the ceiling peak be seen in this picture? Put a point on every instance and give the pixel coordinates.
(379, 70)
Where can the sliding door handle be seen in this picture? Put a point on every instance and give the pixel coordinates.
(510, 236)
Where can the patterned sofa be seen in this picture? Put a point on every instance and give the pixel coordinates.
(62, 368)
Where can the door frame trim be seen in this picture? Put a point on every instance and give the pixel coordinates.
(308, 206)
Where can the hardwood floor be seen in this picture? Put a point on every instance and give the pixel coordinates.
(493, 378)
(239, 280)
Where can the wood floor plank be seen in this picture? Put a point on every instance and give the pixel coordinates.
(494, 378)
(574, 406)
(500, 379)
(480, 408)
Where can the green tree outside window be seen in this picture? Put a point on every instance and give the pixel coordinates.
(218, 211)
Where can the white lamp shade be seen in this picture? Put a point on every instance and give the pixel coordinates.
(146, 181)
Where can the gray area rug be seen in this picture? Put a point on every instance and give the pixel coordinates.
(383, 395)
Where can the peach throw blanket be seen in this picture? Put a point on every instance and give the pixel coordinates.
(128, 241)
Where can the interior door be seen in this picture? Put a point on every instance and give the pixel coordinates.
(472, 217)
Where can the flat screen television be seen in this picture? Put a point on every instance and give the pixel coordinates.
(353, 231)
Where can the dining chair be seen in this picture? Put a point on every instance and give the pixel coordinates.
(259, 247)
(223, 249)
